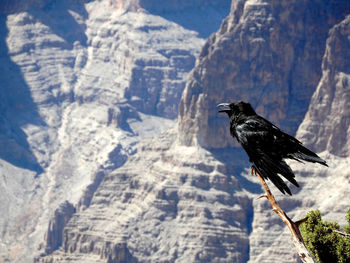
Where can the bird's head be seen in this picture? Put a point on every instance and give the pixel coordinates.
(236, 108)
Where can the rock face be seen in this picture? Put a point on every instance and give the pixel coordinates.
(82, 83)
(175, 201)
(167, 203)
(263, 54)
(327, 123)
(95, 78)
(61, 217)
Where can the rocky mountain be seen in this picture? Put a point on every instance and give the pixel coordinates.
(262, 54)
(185, 195)
(331, 100)
(95, 78)
(167, 203)
(82, 83)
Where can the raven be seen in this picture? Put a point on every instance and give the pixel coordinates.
(266, 145)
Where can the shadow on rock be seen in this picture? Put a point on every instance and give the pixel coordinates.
(17, 109)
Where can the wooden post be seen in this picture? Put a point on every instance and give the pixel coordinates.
(293, 227)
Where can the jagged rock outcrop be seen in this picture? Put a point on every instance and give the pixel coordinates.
(327, 123)
(86, 67)
(267, 53)
(100, 252)
(82, 83)
(323, 189)
(167, 203)
(178, 184)
(53, 237)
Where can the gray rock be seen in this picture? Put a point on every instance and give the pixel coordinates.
(323, 189)
(326, 126)
(78, 83)
(53, 237)
(167, 203)
(267, 53)
(86, 104)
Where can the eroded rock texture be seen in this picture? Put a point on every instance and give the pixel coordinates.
(179, 203)
(61, 217)
(167, 203)
(82, 83)
(267, 53)
(102, 75)
(327, 123)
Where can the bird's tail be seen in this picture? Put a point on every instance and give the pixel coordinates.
(270, 169)
(305, 154)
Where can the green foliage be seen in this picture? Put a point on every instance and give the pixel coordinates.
(326, 245)
(347, 228)
(344, 246)
(344, 250)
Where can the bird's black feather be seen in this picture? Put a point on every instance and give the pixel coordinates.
(266, 145)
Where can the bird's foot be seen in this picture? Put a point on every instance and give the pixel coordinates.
(254, 171)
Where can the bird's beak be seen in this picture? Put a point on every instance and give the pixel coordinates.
(225, 107)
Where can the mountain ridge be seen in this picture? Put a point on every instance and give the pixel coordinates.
(67, 66)
(102, 127)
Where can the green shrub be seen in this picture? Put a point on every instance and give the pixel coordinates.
(326, 245)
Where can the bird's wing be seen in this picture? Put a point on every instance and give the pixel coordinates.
(288, 146)
(260, 133)
(256, 133)
(264, 144)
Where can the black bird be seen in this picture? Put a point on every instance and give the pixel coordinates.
(266, 145)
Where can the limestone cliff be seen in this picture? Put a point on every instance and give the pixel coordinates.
(82, 83)
(175, 201)
(327, 123)
(266, 52)
(61, 217)
(168, 203)
(92, 79)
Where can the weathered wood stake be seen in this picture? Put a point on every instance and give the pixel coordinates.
(298, 241)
